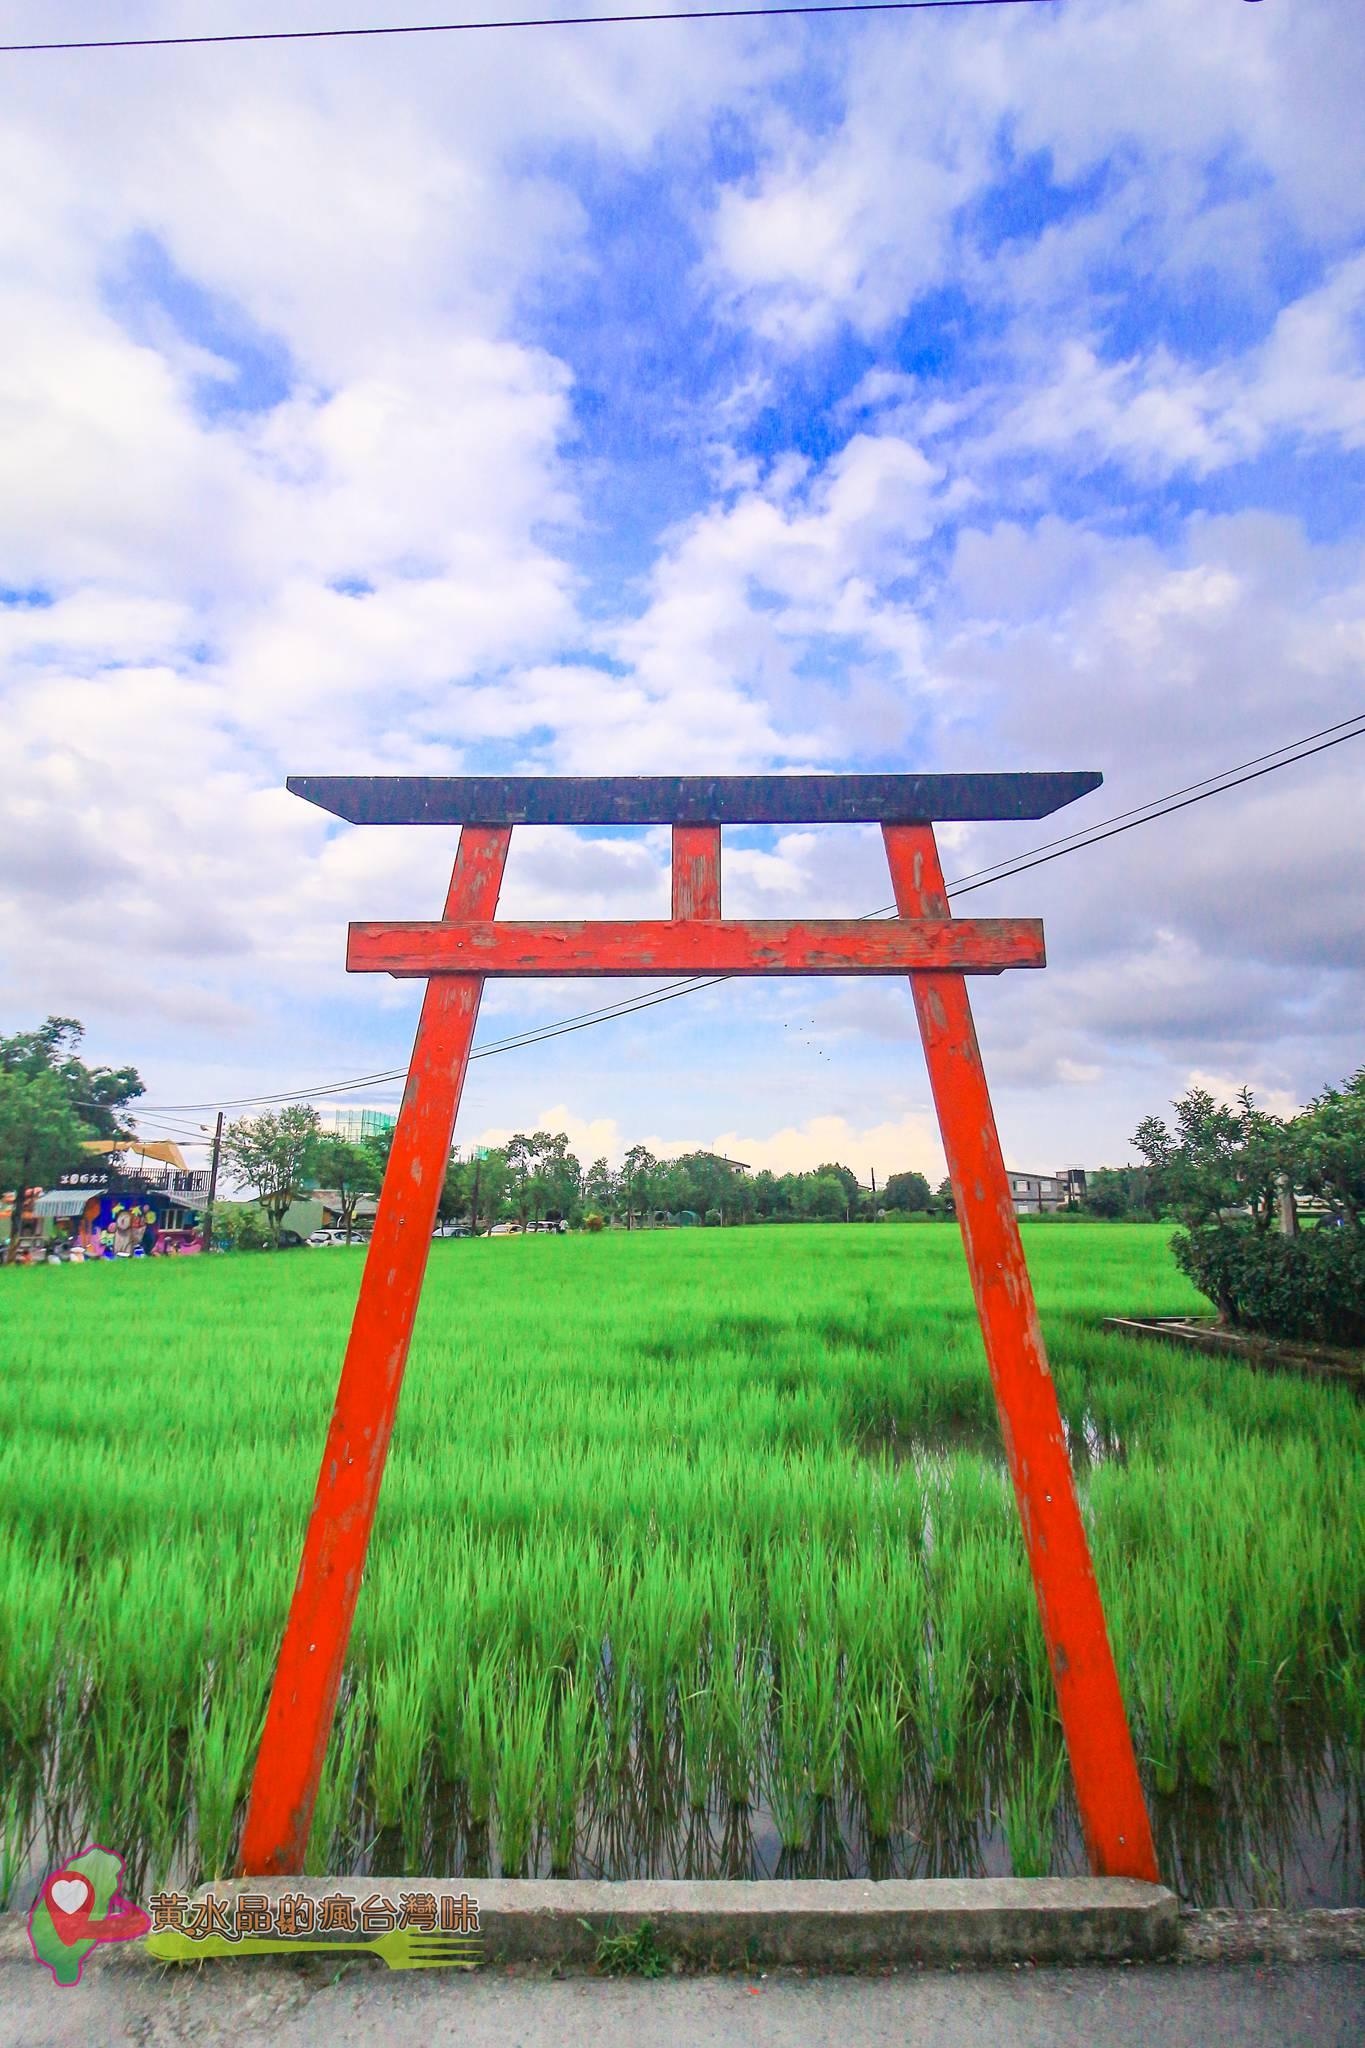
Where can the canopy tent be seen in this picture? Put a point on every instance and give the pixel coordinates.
(163, 1149)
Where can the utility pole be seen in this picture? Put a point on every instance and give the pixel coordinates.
(474, 1199)
(213, 1184)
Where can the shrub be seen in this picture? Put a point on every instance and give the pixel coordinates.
(1312, 1285)
(241, 1226)
(592, 1221)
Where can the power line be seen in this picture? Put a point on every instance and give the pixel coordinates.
(977, 878)
(1084, 831)
(455, 28)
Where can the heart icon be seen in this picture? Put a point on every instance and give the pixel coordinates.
(70, 1898)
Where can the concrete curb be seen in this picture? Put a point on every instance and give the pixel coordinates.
(821, 1924)
(1314, 1934)
(825, 1923)
(850, 1926)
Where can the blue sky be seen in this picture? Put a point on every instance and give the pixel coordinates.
(975, 391)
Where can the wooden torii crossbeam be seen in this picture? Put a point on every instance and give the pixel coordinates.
(457, 952)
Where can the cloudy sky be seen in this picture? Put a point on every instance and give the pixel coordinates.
(974, 390)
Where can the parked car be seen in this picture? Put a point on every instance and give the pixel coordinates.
(552, 1227)
(318, 1238)
(289, 1241)
(505, 1230)
(451, 1230)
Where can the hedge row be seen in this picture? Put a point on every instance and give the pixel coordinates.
(1312, 1285)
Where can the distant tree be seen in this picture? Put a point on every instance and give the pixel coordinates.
(98, 1095)
(823, 1197)
(908, 1192)
(351, 1169)
(522, 1153)
(705, 1182)
(273, 1154)
(488, 1188)
(40, 1136)
(456, 1182)
(848, 1181)
(1105, 1195)
(945, 1201)
(558, 1179)
(637, 1180)
(599, 1188)
(379, 1145)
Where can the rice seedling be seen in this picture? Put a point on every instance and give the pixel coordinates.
(337, 1792)
(402, 1723)
(222, 1745)
(697, 1740)
(741, 1687)
(572, 1756)
(874, 1741)
(479, 1743)
(519, 1766)
(16, 1827)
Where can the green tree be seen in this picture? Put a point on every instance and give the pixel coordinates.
(456, 1184)
(523, 1159)
(822, 1197)
(637, 1180)
(98, 1095)
(848, 1181)
(945, 1201)
(1216, 1158)
(273, 1154)
(40, 1136)
(599, 1188)
(1327, 1142)
(908, 1192)
(1105, 1195)
(559, 1178)
(351, 1169)
(489, 1180)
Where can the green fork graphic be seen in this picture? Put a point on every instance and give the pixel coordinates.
(406, 1948)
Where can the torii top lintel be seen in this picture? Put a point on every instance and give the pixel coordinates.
(690, 799)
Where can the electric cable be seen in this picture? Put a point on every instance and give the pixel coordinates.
(453, 28)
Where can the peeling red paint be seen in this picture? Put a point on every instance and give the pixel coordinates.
(698, 944)
(1113, 1815)
(303, 1697)
(696, 871)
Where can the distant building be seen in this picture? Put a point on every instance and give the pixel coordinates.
(355, 1125)
(320, 1209)
(1040, 1194)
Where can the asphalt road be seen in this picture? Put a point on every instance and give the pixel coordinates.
(248, 2004)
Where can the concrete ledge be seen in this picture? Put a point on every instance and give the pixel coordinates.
(1273, 1934)
(1214, 1935)
(824, 1924)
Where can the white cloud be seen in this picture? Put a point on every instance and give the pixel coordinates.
(900, 1145)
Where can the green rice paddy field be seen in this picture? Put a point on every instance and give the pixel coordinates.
(695, 1555)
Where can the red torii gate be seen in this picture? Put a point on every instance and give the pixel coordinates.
(465, 945)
